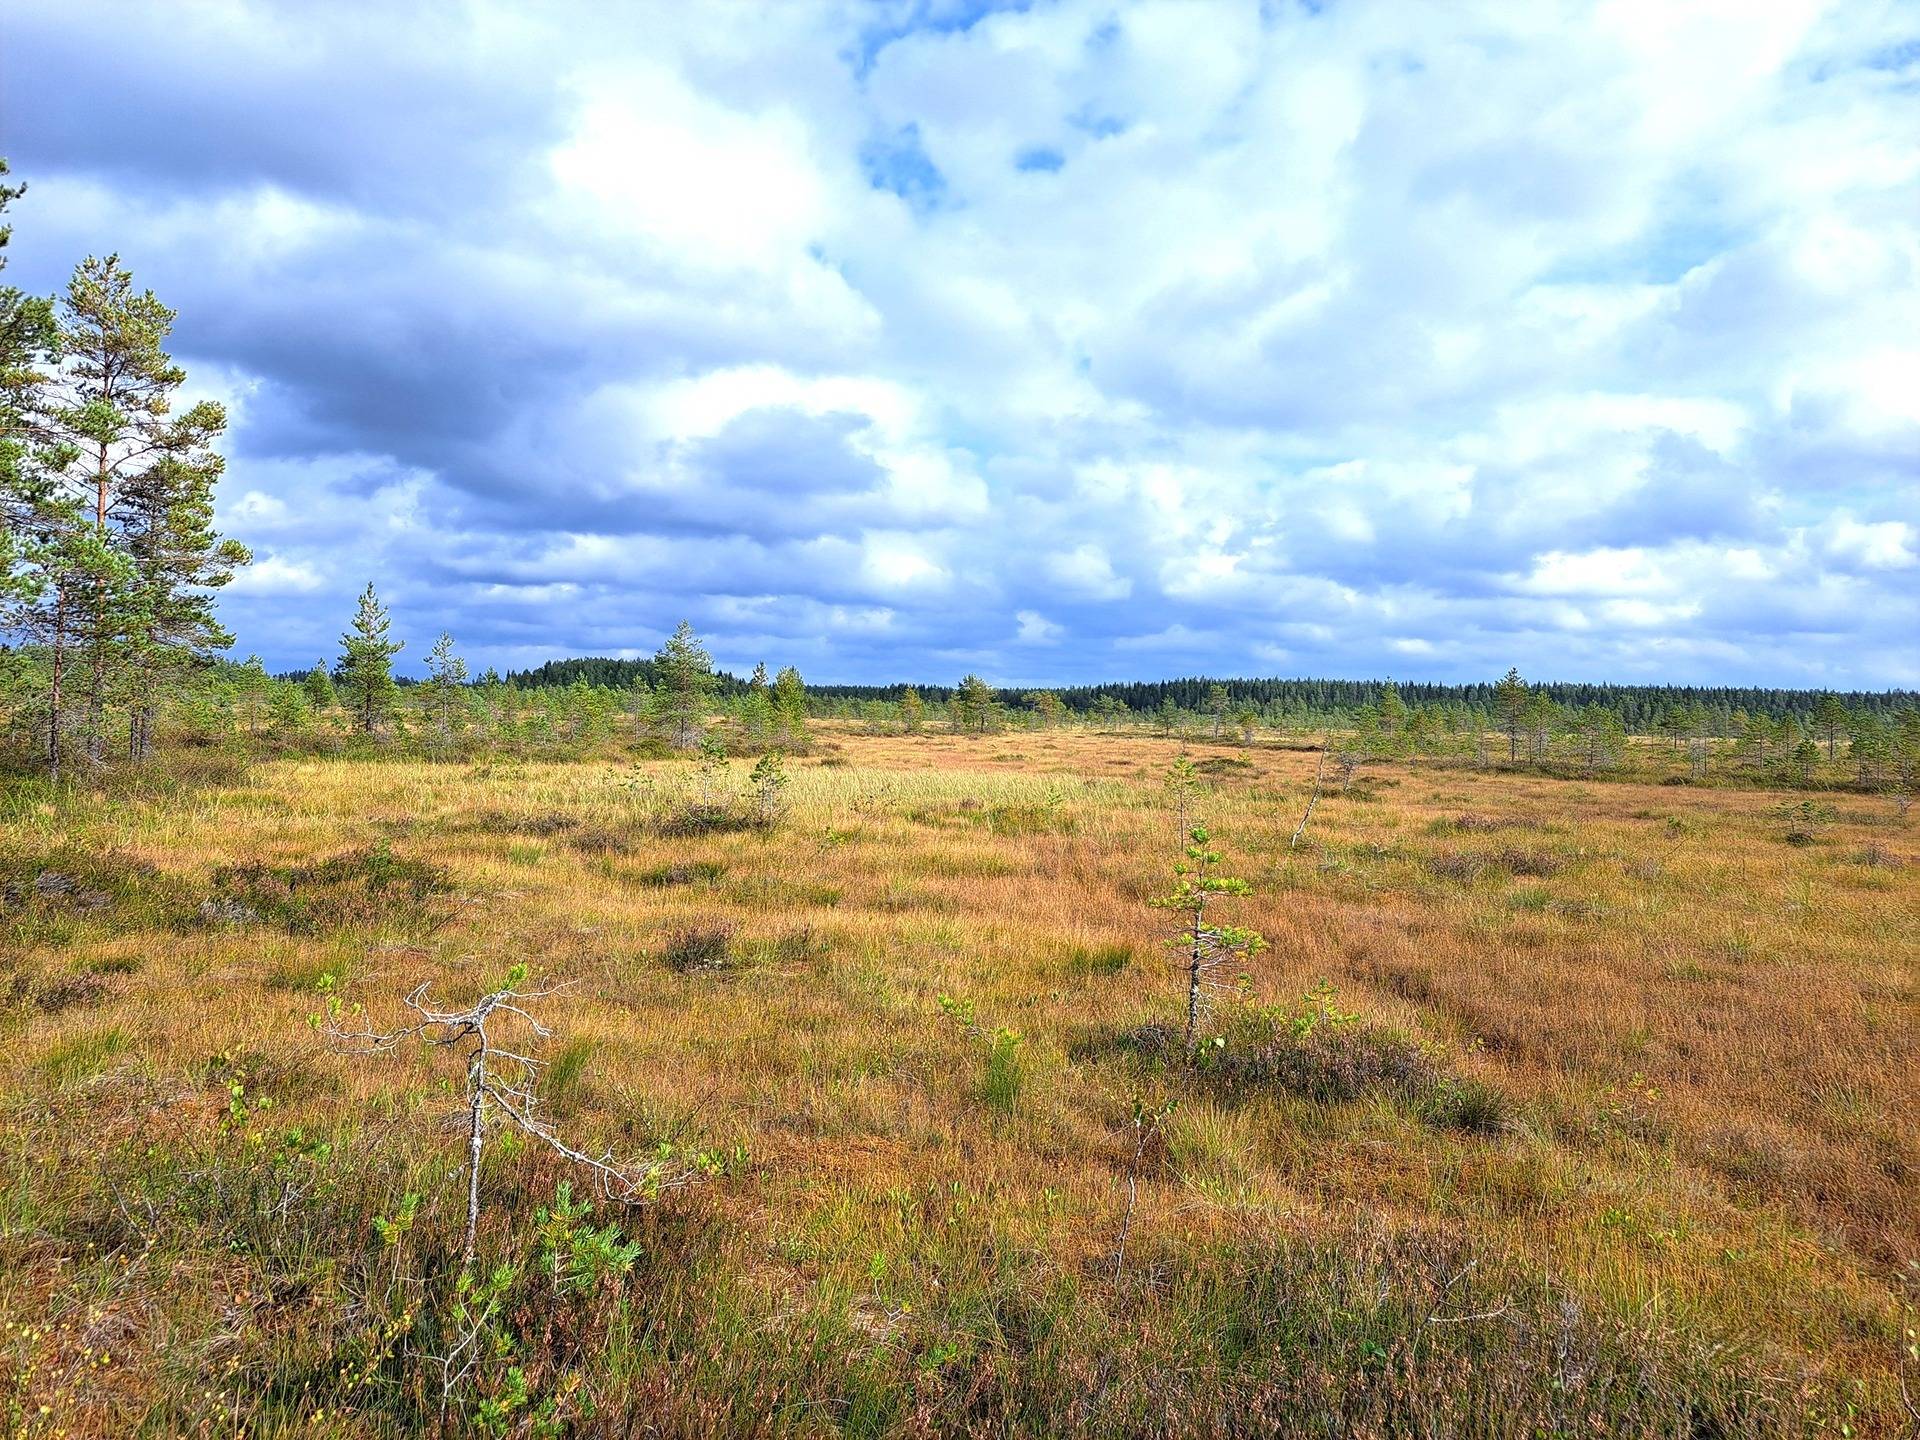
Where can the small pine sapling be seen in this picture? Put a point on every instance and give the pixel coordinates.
(1183, 781)
(712, 777)
(1204, 944)
(1801, 821)
(768, 783)
(1006, 1076)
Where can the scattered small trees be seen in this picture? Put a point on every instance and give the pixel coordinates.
(1602, 736)
(365, 672)
(1048, 707)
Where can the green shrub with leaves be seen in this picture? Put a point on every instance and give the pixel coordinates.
(1006, 1074)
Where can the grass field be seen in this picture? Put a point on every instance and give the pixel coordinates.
(1620, 1137)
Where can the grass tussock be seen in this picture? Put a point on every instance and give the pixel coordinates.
(700, 950)
(356, 889)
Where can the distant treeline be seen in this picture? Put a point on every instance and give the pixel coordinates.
(613, 674)
(1641, 707)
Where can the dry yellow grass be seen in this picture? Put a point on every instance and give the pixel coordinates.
(1710, 1038)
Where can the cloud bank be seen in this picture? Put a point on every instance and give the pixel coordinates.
(1057, 341)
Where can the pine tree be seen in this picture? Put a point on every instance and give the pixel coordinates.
(1602, 735)
(685, 680)
(1393, 710)
(144, 478)
(1510, 700)
(756, 711)
(441, 696)
(27, 339)
(365, 671)
(288, 710)
(252, 687)
(790, 706)
(1216, 707)
(1204, 943)
(913, 711)
(51, 563)
(1538, 718)
(319, 689)
(1830, 719)
(179, 562)
(973, 706)
(61, 570)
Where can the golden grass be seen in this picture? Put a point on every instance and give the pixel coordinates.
(1711, 1038)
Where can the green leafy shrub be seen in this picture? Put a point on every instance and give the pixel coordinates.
(1006, 1074)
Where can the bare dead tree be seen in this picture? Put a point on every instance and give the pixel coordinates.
(499, 1080)
(1147, 1124)
(1319, 778)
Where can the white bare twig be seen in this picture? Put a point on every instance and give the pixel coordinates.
(1319, 776)
(504, 1080)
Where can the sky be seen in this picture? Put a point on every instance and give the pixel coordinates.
(1057, 342)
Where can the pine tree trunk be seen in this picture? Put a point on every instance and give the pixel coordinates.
(1195, 962)
(57, 688)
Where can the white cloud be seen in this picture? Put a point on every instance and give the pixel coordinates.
(1880, 545)
(273, 575)
(1178, 329)
(1036, 629)
(1087, 571)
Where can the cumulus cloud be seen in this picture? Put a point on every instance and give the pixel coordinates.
(1064, 340)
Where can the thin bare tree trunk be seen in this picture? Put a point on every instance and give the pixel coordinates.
(57, 689)
(1319, 772)
(1133, 1192)
(476, 1129)
(1194, 966)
